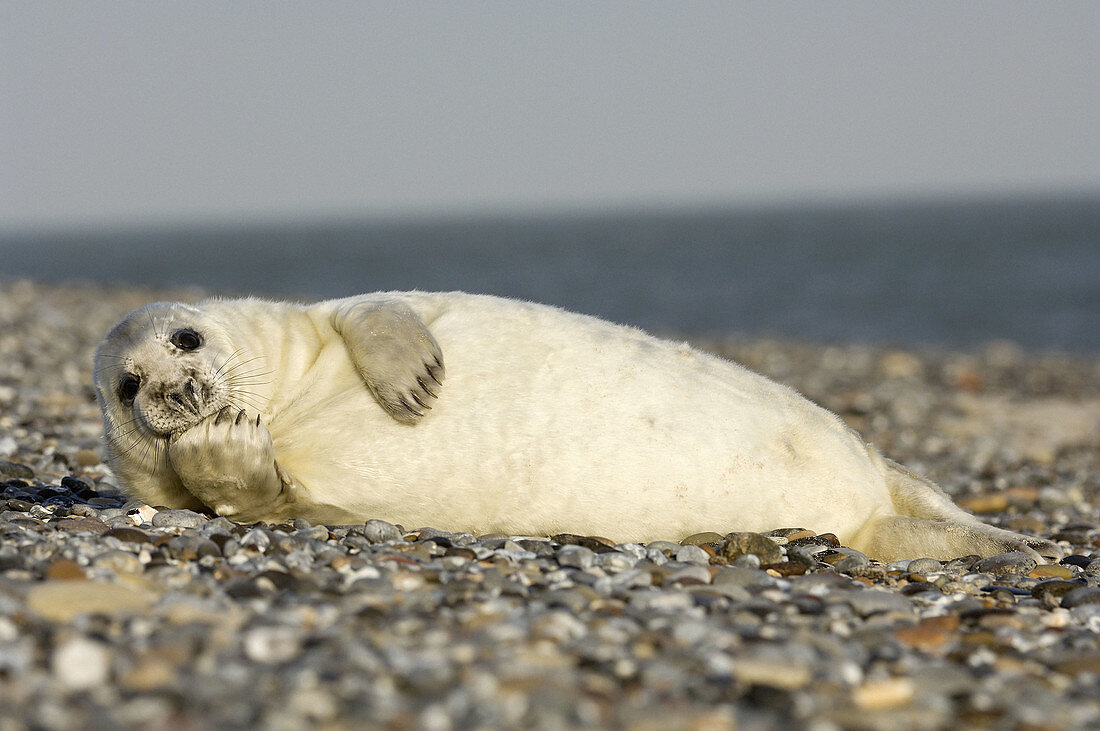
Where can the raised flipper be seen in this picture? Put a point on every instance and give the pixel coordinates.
(228, 462)
(395, 353)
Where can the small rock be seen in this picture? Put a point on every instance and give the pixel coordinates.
(81, 664)
(576, 556)
(1082, 596)
(86, 458)
(930, 633)
(1006, 563)
(1055, 587)
(129, 535)
(873, 601)
(178, 519)
(62, 601)
(118, 562)
(271, 645)
(80, 525)
(257, 538)
(884, 695)
(142, 514)
(691, 553)
(700, 538)
(15, 471)
(924, 566)
(740, 576)
(1050, 570)
(377, 531)
(692, 574)
(7, 446)
(594, 543)
(739, 544)
(993, 503)
(64, 569)
(778, 674)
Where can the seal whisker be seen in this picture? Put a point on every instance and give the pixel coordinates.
(235, 367)
(237, 377)
(229, 361)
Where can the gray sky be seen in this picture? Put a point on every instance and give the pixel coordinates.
(118, 112)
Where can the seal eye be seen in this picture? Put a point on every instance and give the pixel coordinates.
(128, 388)
(186, 339)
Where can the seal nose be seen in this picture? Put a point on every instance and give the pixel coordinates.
(184, 396)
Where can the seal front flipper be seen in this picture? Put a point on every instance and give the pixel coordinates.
(395, 353)
(228, 462)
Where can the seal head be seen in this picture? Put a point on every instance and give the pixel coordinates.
(161, 371)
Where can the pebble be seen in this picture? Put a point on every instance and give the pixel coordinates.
(886, 694)
(15, 471)
(765, 549)
(377, 531)
(111, 611)
(178, 519)
(1003, 563)
(63, 601)
(81, 664)
(1081, 596)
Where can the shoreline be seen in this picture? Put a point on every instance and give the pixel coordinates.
(192, 620)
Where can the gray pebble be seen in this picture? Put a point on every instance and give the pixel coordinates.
(177, 519)
(734, 575)
(1081, 597)
(615, 560)
(924, 566)
(1016, 562)
(869, 601)
(692, 554)
(376, 531)
(576, 556)
(15, 471)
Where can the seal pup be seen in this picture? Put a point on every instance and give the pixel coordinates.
(543, 421)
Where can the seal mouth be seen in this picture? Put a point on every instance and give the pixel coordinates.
(185, 420)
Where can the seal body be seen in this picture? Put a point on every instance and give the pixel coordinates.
(543, 421)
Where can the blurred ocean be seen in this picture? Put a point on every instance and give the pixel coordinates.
(956, 274)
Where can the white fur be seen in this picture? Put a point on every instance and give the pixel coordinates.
(547, 421)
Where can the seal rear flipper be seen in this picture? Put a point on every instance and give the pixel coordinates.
(898, 537)
(930, 525)
(395, 354)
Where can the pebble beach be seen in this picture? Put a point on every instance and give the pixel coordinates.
(117, 614)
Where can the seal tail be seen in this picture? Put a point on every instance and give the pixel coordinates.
(927, 524)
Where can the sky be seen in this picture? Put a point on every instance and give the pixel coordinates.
(121, 113)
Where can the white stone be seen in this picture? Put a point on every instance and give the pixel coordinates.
(80, 664)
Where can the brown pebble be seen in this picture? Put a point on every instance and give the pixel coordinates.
(994, 503)
(80, 525)
(786, 568)
(739, 544)
(129, 535)
(1086, 662)
(1052, 571)
(593, 543)
(1057, 588)
(86, 458)
(700, 539)
(64, 569)
(883, 695)
(62, 601)
(930, 633)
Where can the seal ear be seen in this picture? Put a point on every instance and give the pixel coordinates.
(395, 353)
